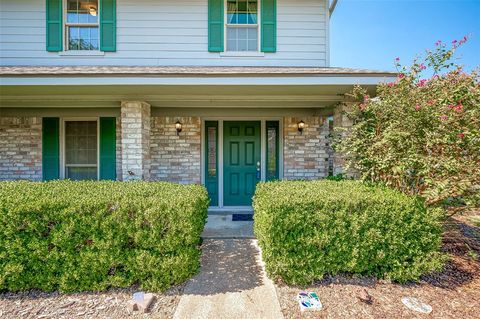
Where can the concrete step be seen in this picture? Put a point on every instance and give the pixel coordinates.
(230, 211)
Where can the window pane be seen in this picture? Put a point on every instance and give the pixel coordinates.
(81, 142)
(81, 173)
(72, 10)
(252, 45)
(242, 39)
(242, 45)
(83, 38)
(79, 11)
(272, 150)
(242, 33)
(212, 151)
(232, 45)
(242, 11)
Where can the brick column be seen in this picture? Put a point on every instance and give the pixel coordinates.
(135, 134)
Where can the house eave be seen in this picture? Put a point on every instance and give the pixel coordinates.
(307, 80)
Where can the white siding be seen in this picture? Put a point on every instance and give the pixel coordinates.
(166, 32)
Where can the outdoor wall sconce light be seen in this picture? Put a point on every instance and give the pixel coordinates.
(301, 126)
(178, 127)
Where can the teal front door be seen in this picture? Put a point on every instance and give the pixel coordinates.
(241, 161)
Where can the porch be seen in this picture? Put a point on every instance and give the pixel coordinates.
(226, 128)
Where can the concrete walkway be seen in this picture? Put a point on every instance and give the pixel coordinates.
(231, 284)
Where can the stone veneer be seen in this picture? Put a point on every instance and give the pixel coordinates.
(305, 155)
(135, 136)
(176, 158)
(20, 148)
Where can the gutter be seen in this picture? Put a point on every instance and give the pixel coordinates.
(332, 7)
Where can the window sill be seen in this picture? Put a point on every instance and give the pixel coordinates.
(242, 54)
(81, 53)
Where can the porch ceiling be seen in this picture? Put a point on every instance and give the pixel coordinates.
(175, 95)
(182, 87)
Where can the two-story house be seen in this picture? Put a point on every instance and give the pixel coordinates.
(220, 92)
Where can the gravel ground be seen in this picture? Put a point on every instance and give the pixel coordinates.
(108, 305)
(453, 293)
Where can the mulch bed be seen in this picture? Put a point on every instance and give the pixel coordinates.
(107, 305)
(453, 292)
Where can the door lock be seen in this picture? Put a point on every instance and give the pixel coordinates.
(259, 175)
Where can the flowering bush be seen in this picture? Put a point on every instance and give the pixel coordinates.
(421, 134)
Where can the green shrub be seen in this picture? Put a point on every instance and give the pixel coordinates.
(309, 229)
(84, 236)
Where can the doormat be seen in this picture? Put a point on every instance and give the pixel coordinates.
(242, 217)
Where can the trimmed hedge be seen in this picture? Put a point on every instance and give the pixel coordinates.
(84, 236)
(309, 229)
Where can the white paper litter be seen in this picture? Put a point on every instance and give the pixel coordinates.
(309, 301)
(416, 305)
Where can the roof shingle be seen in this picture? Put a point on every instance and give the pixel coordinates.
(183, 71)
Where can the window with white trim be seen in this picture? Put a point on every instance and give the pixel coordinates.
(242, 27)
(81, 150)
(81, 26)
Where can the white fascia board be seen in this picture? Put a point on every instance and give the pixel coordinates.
(309, 80)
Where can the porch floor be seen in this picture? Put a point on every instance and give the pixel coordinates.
(221, 226)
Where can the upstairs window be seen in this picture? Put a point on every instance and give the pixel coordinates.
(82, 27)
(242, 25)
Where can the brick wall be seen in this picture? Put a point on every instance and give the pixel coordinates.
(175, 158)
(20, 148)
(306, 155)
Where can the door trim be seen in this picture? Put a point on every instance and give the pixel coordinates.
(263, 150)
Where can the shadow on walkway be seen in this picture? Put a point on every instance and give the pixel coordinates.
(227, 266)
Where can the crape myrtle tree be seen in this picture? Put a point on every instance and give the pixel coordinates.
(421, 133)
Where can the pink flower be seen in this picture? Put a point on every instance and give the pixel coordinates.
(422, 83)
(454, 41)
(458, 108)
(401, 76)
(430, 102)
(390, 84)
(397, 59)
(362, 107)
(465, 39)
(417, 107)
(438, 43)
(443, 118)
(461, 135)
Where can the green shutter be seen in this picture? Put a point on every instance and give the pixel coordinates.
(54, 25)
(215, 25)
(50, 148)
(108, 146)
(108, 25)
(269, 25)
